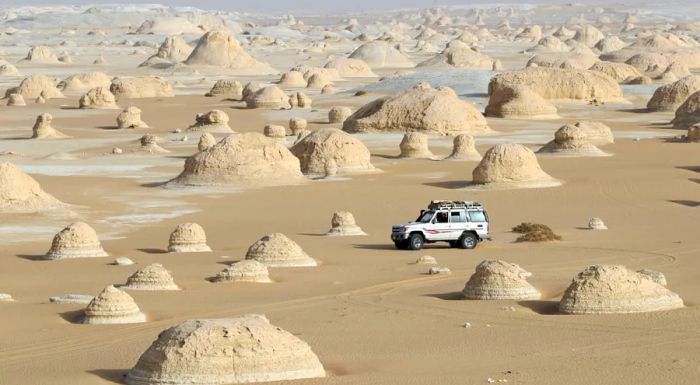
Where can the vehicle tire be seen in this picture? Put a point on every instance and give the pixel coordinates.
(454, 244)
(468, 241)
(415, 242)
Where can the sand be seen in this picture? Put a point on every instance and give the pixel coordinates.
(370, 314)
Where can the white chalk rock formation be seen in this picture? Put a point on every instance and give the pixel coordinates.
(276, 250)
(220, 49)
(19, 192)
(244, 160)
(122, 261)
(415, 145)
(151, 277)
(571, 140)
(618, 71)
(5, 297)
(426, 260)
(597, 224)
(16, 100)
(34, 86)
(380, 54)
(461, 55)
(300, 100)
(338, 114)
(231, 89)
(608, 289)
(597, 133)
(141, 87)
(519, 102)
(81, 299)
(316, 150)
(343, 224)
(244, 349)
(100, 98)
(693, 134)
(85, 82)
(688, 113)
(653, 275)
(7, 69)
(214, 121)
(130, 117)
(297, 124)
(188, 238)
(78, 240)
(43, 130)
(351, 68)
(113, 306)
(420, 108)
(670, 96)
(510, 163)
(268, 97)
(274, 131)
(496, 279)
(247, 270)
(149, 143)
(206, 141)
(560, 84)
(464, 149)
(294, 79)
(174, 49)
(41, 55)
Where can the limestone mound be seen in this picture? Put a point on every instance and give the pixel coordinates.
(611, 289)
(85, 81)
(324, 145)
(274, 131)
(276, 250)
(338, 114)
(42, 55)
(16, 100)
(300, 100)
(71, 299)
(568, 60)
(588, 35)
(149, 143)
(343, 224)
(141, 87)
(464, 149)
(246, 160)
(247, 270)
(130, 117)
(151, 277)
(618, 71)
(220, 49)
(653, 275)
(426, 260)
(597, 133)
(496, 279)
(268, 97)
(549, 44)
(174, 49)
(113, 306)
(460, 55)
(7, 69)
(188, 238)
(167, 26)
(380, 54)
(206, 141)
(519, 102)
(670, 96)
(34, 86)
(214, 120)
(5, 297)
(561, 84)
(597, 224)
(98, 98)
(610, 44)
(420, 108)
(351, 68)
(19, 192)
(415, 145)
(237, 350)
(78, 240)
(43, 130)
(509, 163)
(294, 79)
(571, 140)
(318, 81)
(297, 124)
(693, 134)
(228, 88)
(688, 113)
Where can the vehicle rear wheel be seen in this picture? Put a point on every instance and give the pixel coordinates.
(467, 241)
(415, 242)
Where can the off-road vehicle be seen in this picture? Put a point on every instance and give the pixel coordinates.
(462, 224)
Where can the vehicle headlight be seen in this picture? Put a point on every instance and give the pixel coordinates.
(404, 229)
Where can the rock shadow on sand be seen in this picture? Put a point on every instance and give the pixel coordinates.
(114, 376)
(451, 296)
(153, 251)
(542, 307)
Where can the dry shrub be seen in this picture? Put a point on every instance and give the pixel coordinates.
(535, 232)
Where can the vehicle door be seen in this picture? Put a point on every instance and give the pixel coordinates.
(459, 222)
(439, 230)
(479, 221)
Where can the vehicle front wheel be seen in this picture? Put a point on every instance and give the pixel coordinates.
(415, 242)
(468, 241)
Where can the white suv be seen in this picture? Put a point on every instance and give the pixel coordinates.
(461, 224)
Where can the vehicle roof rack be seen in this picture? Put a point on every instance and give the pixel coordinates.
(445, 204)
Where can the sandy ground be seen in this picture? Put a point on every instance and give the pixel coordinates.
(368, 312)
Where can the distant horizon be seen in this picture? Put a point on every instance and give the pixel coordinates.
(307, 5)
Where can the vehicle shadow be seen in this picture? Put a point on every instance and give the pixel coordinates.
(377, 246)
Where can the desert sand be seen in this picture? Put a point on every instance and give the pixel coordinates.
(169, 165)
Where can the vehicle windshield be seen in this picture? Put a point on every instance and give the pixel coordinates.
(426, 217)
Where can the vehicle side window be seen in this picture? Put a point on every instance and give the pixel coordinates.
(477, 216)
(458, 217)
(441, 217)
